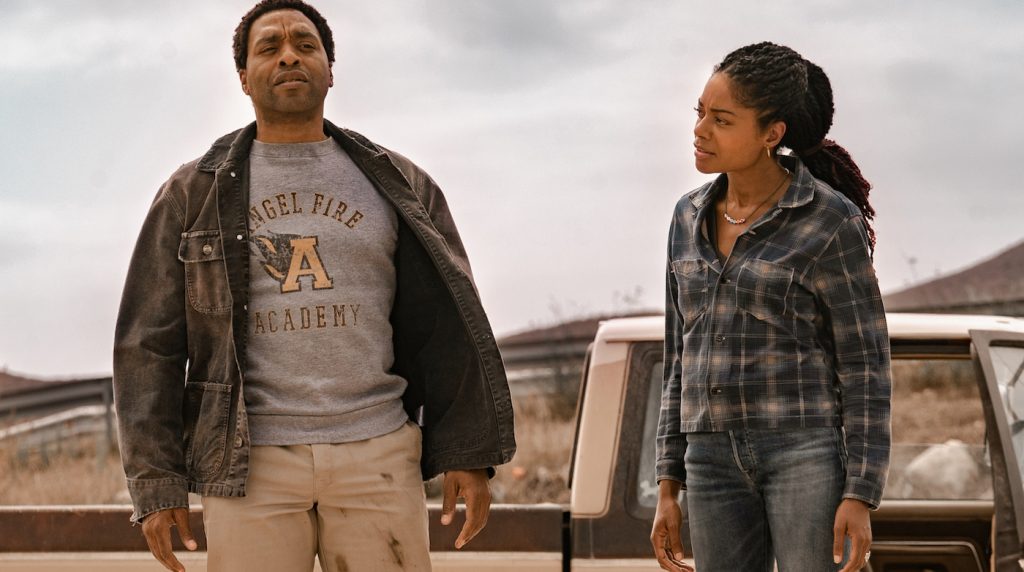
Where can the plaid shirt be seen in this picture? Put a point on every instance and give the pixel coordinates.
(789, 333)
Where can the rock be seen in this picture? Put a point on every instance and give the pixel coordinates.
(944, 471)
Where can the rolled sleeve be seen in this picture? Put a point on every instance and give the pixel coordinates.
(852, 307)
(671, 442)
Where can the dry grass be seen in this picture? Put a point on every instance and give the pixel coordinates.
(931, 417)
(72, 476)
(932, 403)
(540, 470)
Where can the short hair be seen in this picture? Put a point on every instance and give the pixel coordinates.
(241, 39)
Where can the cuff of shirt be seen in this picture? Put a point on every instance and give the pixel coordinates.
(863, 490)
(671, 469)
(671, 451)
(152, 495)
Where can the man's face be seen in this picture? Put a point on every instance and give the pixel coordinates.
(287, 72)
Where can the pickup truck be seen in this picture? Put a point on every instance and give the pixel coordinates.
(954, 503)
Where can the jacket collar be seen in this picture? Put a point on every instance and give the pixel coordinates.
(234, 147)
(799, 193)
(230, 145)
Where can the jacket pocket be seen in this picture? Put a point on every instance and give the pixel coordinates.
(207, 407)
(762, 289)
(692, 284)
(206, 277)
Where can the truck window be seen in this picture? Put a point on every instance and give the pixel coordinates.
(938, 430)
(1008, 366)
(647, 486)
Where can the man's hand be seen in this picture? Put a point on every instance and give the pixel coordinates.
(156, 528)
(473, 487)
(853, 520)
(668, 519)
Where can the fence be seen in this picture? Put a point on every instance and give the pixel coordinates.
(45, 418)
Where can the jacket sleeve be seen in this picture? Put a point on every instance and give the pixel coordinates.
(444, 345)
(671, 442)
(150, 351)
(436, 206)
(852, 306)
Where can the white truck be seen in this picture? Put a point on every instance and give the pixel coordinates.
(954, 503)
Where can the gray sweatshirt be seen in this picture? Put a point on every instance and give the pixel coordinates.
(322, 284)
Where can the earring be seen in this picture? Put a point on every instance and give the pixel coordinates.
(768, 150)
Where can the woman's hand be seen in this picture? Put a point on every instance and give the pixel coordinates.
(853, 520)
(668, 519)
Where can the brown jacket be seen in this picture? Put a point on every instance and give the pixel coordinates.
(179, 347)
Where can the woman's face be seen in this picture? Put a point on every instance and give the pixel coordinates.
(727, 136)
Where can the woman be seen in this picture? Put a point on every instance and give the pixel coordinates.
(775, 407)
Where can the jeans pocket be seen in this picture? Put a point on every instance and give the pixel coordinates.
(841, 446)
(692, 288)
(206, 277)
(762, 289)
(206, 409)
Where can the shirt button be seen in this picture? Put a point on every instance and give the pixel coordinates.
(207, 249)
(727, 281)
(232, 173)
(238, 441)
(239, 237)
(716, 391)
(720, 339)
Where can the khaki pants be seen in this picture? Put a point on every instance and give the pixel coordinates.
(359, 506)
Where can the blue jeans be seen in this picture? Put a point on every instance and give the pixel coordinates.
(758, 496)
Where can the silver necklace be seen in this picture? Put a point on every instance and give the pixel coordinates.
(732, 220)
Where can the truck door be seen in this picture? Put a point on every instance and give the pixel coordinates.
(620, 538)
(1000, 359)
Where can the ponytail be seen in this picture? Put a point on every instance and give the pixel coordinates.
(831, 163)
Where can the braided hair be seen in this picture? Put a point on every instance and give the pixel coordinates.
(782, 86)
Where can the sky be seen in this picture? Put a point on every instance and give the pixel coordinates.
(560, 131)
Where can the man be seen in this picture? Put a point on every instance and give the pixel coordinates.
(296, 295)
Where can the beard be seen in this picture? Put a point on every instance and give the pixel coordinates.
(275, 102)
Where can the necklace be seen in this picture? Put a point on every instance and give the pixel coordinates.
(732, 220)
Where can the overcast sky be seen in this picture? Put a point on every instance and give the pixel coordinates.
(561, 132)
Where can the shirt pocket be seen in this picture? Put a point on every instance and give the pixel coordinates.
(692, 285)
(763, 288)
(206, 277)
